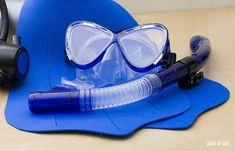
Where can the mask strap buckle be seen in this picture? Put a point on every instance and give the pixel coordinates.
(169, 60)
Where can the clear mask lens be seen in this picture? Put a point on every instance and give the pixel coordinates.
(144, 47)
(85, 44)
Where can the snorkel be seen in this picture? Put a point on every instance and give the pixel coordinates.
(186, 72)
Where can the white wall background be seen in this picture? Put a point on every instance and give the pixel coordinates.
(144, 6)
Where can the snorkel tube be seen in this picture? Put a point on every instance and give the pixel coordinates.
(185, 72)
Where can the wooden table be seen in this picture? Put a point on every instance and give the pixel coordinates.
(216, 126)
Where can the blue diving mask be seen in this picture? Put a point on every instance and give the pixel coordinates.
(143, 48)
(105, 58)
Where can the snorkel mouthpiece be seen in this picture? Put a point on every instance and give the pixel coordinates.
(44, 102)
(185, 71)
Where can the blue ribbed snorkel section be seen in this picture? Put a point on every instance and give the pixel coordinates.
(201, 49)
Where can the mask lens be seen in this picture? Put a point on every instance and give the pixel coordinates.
(85, 44)
(144, 47)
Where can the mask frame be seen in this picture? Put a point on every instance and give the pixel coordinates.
(116, 38)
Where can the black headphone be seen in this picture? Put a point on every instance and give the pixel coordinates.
(14, 59)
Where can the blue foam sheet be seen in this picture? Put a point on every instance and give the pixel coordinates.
(204, 97)
(42, 27)
(120, 121)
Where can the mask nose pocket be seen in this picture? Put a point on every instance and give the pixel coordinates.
(112, 66)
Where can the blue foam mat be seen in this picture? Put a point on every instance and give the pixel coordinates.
(42, 29)
(204, 97)
(121, 121)
(43, 34)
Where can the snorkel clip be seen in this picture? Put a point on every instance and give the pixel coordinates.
(194, 76)
(169, 60)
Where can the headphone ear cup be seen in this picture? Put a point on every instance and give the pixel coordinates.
(14, 59)
(21, 65)
(14, 62)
